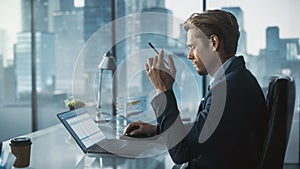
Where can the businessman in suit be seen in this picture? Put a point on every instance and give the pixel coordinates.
(231, 123)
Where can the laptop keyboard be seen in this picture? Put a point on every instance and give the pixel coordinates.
(107, 146)
(97, 149)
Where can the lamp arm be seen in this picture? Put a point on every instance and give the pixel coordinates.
(99, 90)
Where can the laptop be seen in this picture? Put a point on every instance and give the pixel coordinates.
(93, 141)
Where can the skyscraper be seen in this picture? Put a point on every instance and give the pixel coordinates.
(156, 25)
(68, 29)
(9, 82)
(41, 15)
(272, 38)
(45, 62)
(97, 17)
(289, 49)
(99, 13)
(134, 22)
(53, 5)
(45, 52)
(1, 79)
(272, 51)
(3, 47)
(153, 3)
(136, 6)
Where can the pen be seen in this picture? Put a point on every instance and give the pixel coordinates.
(150, 44)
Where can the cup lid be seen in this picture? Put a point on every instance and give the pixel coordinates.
(20, 141)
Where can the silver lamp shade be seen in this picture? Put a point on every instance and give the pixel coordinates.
(108, 62)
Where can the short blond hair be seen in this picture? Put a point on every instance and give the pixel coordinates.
(220, 23)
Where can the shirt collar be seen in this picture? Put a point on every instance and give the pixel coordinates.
(221, 71)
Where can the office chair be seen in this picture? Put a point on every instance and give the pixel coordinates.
(280, 102)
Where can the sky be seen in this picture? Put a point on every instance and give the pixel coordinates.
(258, 15)
(10, 21)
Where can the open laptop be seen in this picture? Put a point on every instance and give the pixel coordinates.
(93, 142)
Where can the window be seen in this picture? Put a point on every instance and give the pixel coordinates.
(15, 108)
(65, 66)
(71, 36)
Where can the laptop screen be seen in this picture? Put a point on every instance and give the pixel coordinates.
(82, 127)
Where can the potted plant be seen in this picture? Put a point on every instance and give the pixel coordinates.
(73, 103)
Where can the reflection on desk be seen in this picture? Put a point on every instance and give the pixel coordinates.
(54, 148)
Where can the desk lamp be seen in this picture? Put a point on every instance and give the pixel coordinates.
(106, 88)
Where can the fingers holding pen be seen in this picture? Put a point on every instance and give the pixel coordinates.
(172, 67)
(149, 65)
(160, 59)
(156, 62)
(152, 63)
(161, 77)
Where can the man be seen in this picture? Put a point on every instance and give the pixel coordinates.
(231, 123)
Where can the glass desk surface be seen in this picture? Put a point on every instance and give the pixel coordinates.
(54, 148)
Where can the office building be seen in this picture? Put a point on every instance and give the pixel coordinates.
(136, 6)
(153, 3)
(272, 53)
(289, 48)
(133, 26)
(3, 47)
(98, 22)
(153, 29)
(68, 29)
(281, 56)
(98, 13)
(53, 6)
(272, 38)
(9, 83)
(45, 52)
(41, 15)
(1, 79)
(45, 63)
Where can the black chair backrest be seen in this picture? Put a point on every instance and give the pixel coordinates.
(280, 102)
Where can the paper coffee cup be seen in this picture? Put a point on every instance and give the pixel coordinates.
(20, 147)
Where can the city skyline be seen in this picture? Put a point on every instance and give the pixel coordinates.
(254, 27)
(96, 16)
(278, 54)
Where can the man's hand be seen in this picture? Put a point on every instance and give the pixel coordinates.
(140, 128)
(162, 78)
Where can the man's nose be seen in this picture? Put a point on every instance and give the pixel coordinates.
(190, 55)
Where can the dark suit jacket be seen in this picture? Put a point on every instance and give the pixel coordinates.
(237, 140)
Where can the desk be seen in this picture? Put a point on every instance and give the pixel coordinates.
(53, 148)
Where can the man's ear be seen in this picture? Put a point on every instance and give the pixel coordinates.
(214, 40)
